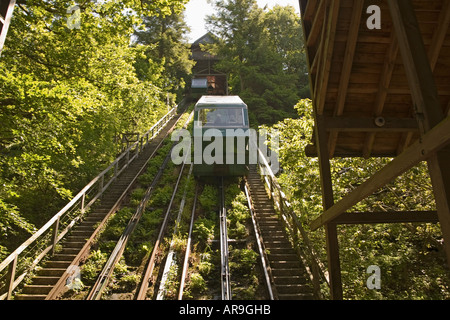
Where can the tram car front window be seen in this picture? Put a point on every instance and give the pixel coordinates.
(222, 117)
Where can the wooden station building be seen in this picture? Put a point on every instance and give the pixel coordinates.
(379, 91)
(206, 79)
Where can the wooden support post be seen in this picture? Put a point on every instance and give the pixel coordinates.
(334, 267)
(83, 198)
(116, 169)
(101, 185)
(55, 236)
(11, 276)
(426, 102)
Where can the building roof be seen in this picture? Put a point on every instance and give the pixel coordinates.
(358, 79)
(207, 38)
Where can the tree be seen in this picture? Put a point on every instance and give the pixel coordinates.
(67, 94)
(165, 44)
(410, 256)
(263, 53)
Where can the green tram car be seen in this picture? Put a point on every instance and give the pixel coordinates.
(227, 118)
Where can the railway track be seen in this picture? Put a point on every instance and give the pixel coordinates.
(224, 255)
(188, 248)
(282, 271)
(142, 293)
(108, 269)
(284, 275)
(50, 279)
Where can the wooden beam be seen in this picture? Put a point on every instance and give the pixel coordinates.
(439, 35)
(426, 102)
(340, 152)
(332, 243)
(417, 67)
(433, 55)
(385, 80)
(309, 9)
(346, 124)
(421, 150)
(387, 217)
(328, 49)
(318, 62)
(405, 141)
(316, 24)
(334, 264)
(350, 49)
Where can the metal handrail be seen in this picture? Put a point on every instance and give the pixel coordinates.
(317, 270)
(130, 154)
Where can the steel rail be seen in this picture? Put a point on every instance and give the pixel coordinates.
(142, 292)
(107, 271)
(224, 266)
(84, 251)
(188, 248)
(172, 255)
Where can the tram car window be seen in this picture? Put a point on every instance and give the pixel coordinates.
(225, 117)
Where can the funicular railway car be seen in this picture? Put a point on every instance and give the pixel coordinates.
(221, 136)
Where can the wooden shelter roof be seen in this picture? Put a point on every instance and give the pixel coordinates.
(358, 80)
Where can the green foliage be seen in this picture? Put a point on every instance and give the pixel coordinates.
(203, 230)
(197, 283)
(93, 266)
(237, 216)
(68, 95)
(205, 267)
(163, 37)
(116, 225)
(243, 261)
(262, 52)
(136, 196)
(209, 198)
(127, 282)
(243, 268)
(161, 196)
(410, 257)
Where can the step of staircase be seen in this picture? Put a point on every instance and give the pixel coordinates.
(289, 275)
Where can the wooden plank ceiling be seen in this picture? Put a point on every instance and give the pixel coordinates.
(358, 81)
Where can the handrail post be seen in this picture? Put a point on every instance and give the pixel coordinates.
(11, 276)
(138, 144)
(55, 236)
(271, 189)
(316, 282)
(101, 185)
(82, 203)
(116, 169)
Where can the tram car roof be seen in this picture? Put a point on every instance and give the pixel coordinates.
(220, 101)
